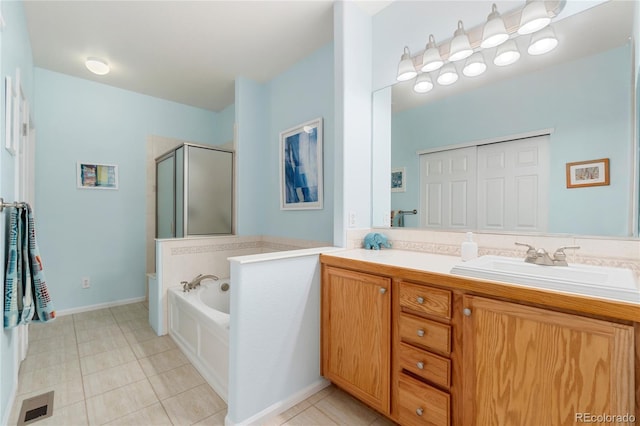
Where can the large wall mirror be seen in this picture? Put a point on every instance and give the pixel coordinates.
(582, 94)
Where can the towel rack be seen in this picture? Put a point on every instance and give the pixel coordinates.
(18, 204)
(414, 211)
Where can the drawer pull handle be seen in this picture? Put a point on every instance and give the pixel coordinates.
(466, 312)
(420, 300)
(420, 412)
(383, 290)
(420, 365)
(420, 333)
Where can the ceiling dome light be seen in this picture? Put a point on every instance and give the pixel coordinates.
(431, 58)
(534, 17)
(406, 69)
(97, 66)
(448, 75)
(543, 41)
(475, 65)
(423, 83)
(506, 54)
(460, 46)
(494, 32)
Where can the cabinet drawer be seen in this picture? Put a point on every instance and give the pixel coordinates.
(425, 299)
(420, 404)
(429, 366)
(429, 334)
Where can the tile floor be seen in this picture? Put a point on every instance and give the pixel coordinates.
(108, 367)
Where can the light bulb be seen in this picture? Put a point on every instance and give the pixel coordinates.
(448, 75)
(507, 54)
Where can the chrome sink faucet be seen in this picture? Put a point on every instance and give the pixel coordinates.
(190, 285)
(541, 257)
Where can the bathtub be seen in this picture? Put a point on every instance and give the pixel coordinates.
(199, 324)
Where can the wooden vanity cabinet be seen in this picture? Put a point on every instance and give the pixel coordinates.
(356, 334)
(421, 352)
(531, 366)
(437, 350)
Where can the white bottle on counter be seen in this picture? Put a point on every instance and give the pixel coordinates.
(469, 249)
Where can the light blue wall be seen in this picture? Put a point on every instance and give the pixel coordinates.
(591, 117)
(98, 233)
(224, 125)
(301, 93)
(251, 150)
(16, 53)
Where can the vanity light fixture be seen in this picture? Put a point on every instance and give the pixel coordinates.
(423, 83)
(534, 17)
(97, 66)
(507, 53)
(500, 31)
(448, 75)
(475, 65)
(460, 45)
(494, 32)
(431, 58)
(406, 69)
(542, 41)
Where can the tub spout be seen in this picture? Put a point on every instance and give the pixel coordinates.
(196, 281)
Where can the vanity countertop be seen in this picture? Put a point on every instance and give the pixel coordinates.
(419, 261)
(436, 269)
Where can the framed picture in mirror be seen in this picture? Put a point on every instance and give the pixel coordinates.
(399, 179)
(588, 173)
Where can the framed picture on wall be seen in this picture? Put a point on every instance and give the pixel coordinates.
(301, 179)
(399, 179)
(588, 173)
(97, 176)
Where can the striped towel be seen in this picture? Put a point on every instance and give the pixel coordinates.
(26, 296)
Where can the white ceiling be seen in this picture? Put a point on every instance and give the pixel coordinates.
(185, 51)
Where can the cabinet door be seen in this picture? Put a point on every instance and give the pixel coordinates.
(356, 334)
(529, 366)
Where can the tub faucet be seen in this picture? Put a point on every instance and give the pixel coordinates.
(186, 286)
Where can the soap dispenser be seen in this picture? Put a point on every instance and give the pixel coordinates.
(469, 249)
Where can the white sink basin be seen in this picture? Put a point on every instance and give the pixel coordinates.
(597, 281)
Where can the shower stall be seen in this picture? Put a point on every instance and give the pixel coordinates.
(194, 192)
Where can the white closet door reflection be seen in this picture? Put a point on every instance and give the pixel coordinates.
(494, 187)
(513, 185)
(448, 188)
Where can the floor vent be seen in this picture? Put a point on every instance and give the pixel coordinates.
(36, 408)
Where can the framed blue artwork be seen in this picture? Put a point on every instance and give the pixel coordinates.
(301, 167)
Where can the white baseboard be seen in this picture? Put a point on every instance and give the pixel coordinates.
(281, 406)
(99, 306)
